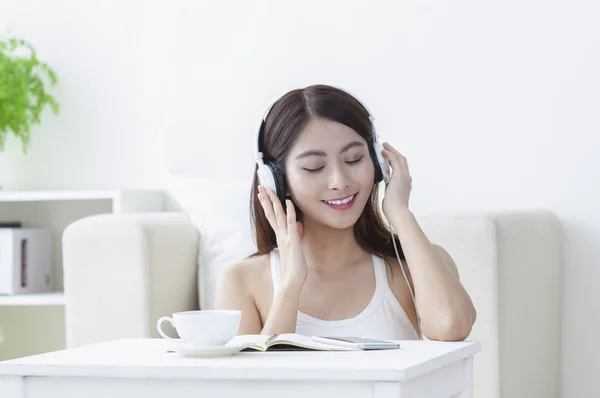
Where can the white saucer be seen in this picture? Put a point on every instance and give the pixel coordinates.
(208, 352)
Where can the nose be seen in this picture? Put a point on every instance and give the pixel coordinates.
(338, 180)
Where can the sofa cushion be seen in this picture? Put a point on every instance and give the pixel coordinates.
(219, 209)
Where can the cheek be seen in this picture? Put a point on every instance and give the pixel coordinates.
(364, 175)
(300, 185)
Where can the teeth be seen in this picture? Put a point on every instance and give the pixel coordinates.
(340, 202)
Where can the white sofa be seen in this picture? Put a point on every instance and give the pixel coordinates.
(122, 272)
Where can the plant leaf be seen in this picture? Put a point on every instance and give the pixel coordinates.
(23, 90)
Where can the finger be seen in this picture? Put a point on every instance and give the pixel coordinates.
(278, 210)
(291, 219)
(401, 158)
(267, 207)
(392, 159)
(397, 167)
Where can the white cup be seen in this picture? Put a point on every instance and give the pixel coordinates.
(203, 328)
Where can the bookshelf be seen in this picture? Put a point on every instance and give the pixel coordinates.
(35, 323)
(38, 299)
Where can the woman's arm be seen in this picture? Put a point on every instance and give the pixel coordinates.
(444, 307)
(284, 309)
(283, 315)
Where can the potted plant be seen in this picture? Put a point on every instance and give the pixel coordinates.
(24, 81)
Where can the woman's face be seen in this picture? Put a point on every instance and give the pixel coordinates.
(330, 173)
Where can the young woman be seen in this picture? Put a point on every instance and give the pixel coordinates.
(326, 263)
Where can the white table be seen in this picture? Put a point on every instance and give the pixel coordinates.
(143, 368)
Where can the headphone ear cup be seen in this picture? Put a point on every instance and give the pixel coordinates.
(278, 182)
(376, 165)
(382, 163)
(265, 177)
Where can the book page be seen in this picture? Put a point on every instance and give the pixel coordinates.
(301, 341)
(254, 341)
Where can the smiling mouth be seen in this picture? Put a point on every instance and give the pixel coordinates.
(341, 204)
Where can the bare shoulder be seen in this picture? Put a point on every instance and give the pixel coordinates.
(246, 273)
(237, 289)
(446, 259)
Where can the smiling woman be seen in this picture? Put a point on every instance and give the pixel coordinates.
(340, 170)
(326, 264)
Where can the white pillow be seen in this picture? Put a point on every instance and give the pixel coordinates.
(219, 208)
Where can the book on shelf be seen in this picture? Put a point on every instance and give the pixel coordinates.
(10, 224)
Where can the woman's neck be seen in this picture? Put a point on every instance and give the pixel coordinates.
(330, 249)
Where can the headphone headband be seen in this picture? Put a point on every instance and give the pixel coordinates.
(271, 178)
(258, 153)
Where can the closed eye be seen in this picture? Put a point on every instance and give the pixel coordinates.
(313, 170)
(355, 161)
(350, 162)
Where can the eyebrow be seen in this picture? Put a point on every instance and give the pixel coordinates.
(314, 152)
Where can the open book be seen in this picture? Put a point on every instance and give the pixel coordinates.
(282, 342)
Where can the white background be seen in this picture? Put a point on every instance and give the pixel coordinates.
(495, 104)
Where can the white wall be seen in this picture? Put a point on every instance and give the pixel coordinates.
(495, 104)
(102, 137)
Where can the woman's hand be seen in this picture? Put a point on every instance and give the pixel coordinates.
(288, 232)
(397, 192)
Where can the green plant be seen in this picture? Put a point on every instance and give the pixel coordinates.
(23, 91)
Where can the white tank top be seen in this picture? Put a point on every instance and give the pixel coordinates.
(383, 318)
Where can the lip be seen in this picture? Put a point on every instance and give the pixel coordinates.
(342, 198)
(344, 206)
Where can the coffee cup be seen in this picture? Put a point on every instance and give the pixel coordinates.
(203, 328)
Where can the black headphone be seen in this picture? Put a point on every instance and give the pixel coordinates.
(273, 177)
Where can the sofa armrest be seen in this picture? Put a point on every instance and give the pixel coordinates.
(123, 272)
(510, 262)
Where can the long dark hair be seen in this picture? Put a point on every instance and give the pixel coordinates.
(286, 120)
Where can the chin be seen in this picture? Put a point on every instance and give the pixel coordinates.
(343, 226)
(334, 224)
